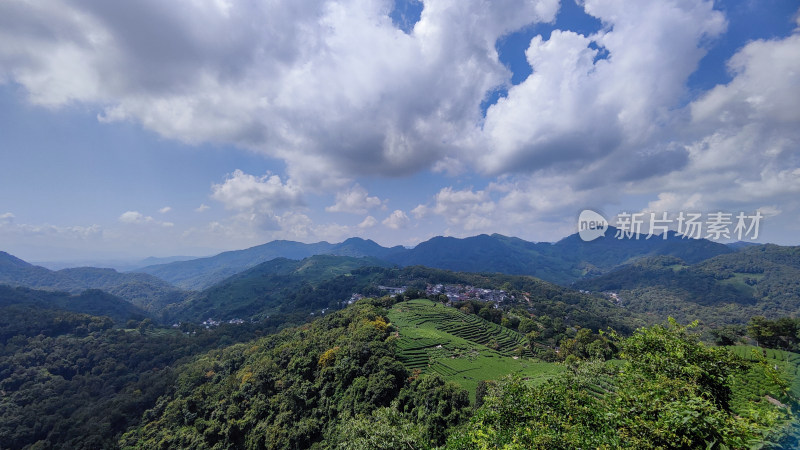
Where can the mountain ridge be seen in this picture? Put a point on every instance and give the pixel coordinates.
(143, 290)
(562, 262)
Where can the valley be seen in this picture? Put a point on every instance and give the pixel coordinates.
(366, 339)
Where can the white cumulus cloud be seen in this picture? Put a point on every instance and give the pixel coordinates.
(335, 82)
(396, 220)
(354, 201)
(242, 191)
(134, 217)
(368, 222)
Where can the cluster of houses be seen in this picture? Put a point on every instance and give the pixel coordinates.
(354, 298)
(454, 293)
(462, 292)
(208, 323)
(393, 290)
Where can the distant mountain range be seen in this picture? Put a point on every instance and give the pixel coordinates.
(143, 290)
(294, 279)
(198, 274)
(563, 262)
(121, 265)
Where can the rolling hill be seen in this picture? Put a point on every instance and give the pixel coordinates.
(286, 291)
(729, 288)
(92, 301)
(278, 287)
(145, 291)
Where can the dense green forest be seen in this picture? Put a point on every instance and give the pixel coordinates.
(93, 301)
(760, 280)
(72, 380)
(545, 367)
(293, 290)
(354, 379)
(306, 385)
(145, 291)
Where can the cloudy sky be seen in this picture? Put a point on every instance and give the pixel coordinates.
(130, 129)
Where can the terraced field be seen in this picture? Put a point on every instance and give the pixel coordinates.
(751, 390)
(756, 385)
(461, 347)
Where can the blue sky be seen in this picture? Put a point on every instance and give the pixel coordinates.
(187, 128)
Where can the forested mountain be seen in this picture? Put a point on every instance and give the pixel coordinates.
(563, 262)
(382, 373)
(16, 272)
(92, 301)
(731, 288)
(290, 291)
(495, 253)
(604, 254)
(425, 366)
(145, 291)
(75, 381)
(289, 288)
(201, 273)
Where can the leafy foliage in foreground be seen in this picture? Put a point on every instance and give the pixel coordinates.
(671, 391)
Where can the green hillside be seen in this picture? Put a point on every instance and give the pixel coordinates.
(93, 301)
(145, 291)
(668, 390)
(758, 280)
(295, 289)
(462, 348)
(754, 385)
(307, 386)
(281, 286)
(377, 373)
